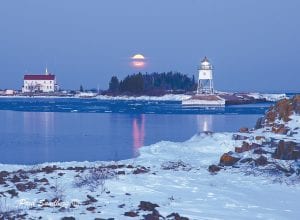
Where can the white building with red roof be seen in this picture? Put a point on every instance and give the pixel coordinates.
(39, 83)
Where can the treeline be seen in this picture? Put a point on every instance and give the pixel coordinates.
(152, 84)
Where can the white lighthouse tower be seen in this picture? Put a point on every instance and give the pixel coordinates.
(205, 81)
(205, 96)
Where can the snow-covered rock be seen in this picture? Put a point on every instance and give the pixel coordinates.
(271, 97)
(273, 148)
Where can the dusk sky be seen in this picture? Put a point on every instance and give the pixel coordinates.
(254, 45)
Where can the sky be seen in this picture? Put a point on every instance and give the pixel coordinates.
(254, 45)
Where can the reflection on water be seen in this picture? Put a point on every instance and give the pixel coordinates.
(37, 137)
(205, 123)
(138, 132)
(41, 124)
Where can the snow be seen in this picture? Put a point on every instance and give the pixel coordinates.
(168, 97)
(269, 97)
(86, 95)
(180, 97)
(193, 193)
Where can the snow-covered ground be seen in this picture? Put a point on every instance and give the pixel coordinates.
(168, 97)
(269, 97)
(172, 175)
(180, 97)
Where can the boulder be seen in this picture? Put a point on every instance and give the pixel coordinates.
(49, 169)
(214, 168)
(270, 116)
(4, 173)
(246, 160)
(91, 208)
(15, 179)
(153, 216)
(131, 214)
(288, 150)
(258, 138)
(2, 181)
(121, 172)
(246, 147)
(244, 130)
(296, 104)
(68, 218)
(176, 216)
(228, 160)
(285, 109)
(91, 198)
(147, 206)
(259, 123)
(261, 161)
(26, 186)
(260, 151)
(43, 180)
(279, 129)
(140, 170)
(13, 193)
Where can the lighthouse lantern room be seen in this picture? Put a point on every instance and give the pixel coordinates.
(205, 81)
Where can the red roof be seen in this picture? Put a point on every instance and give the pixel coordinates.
(39, 77)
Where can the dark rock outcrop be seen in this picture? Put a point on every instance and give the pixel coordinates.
(176, 216)
(275, 121)
(279, 129)
(288, 150)
(246, 160)
(147, 206)
(260, 151)
(261, 161)
(26, 186)
(68, 218)
(91, 208)
(214, 168)
(228, 160)
(13, 193)
(153, 216)
(141, 170)
(246, 147)
(244, 130)
(296, 104)
(15, 179)
(131, 214)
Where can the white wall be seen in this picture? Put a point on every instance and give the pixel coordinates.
(44, 85)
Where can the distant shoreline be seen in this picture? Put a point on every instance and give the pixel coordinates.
(231, 98)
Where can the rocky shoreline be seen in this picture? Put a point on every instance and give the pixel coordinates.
(272, 148)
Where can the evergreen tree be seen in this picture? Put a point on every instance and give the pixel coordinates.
(114, 84)
(154, 83)
(81, 88)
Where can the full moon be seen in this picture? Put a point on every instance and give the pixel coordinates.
(138, 56)
(138, 61)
